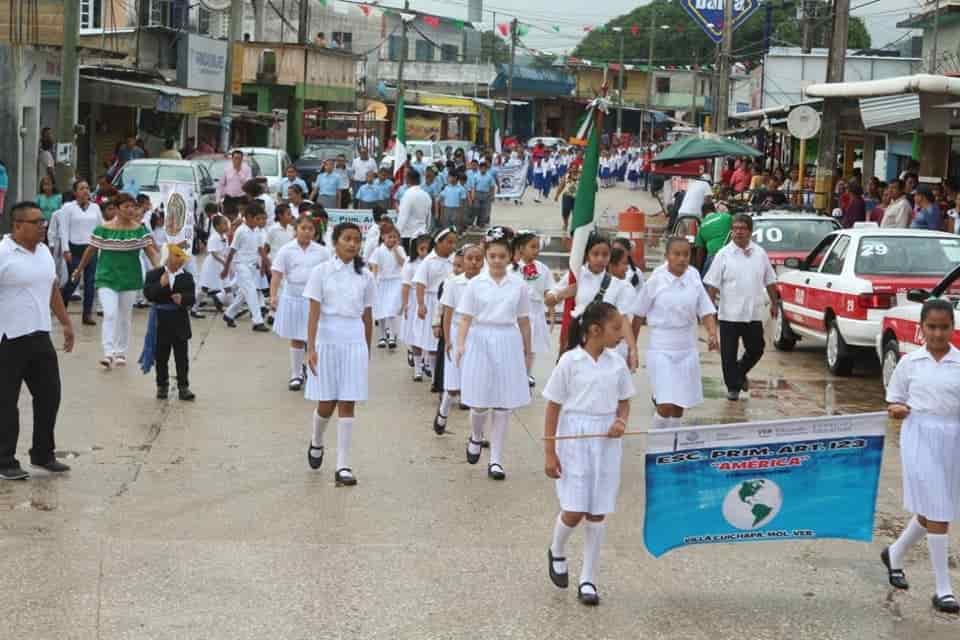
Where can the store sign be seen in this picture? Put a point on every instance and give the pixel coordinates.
(201, 63)
(708, 14)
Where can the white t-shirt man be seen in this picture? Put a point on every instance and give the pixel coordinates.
(697, 192)
(414, 212)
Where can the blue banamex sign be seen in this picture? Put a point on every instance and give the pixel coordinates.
(708, 14)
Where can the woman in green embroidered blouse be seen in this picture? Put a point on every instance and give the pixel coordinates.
(48, 198)
(119, 274)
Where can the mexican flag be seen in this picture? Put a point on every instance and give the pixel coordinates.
(400, 148)
(497, 140)
(582, 222)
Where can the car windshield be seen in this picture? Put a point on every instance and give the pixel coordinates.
(325, 151)
(791, 235)
(268, 163)
(907, 255)
(148, 176)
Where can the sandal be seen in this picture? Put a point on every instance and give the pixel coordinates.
(896, 577)
(946, 604)
(345, 477)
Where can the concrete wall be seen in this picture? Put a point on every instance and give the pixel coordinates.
(635, 90)
(325, 68)
(450, 73)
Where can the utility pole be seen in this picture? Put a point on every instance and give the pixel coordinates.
(650, 83)
(620, 85)
(726, 51)
(696, 87)
(236, 26)
(513, 55)
(932, 68)
(830, 122)
(403, 56)
(65, 170)
(302, 36)
(807, 15)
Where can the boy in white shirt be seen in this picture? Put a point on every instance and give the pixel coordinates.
(247, 255)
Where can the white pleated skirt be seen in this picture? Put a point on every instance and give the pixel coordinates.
(389, 298)
(539, 331)
(293, 312)
(675, 377)
(590, 468)
(493, 372)
(451, 372)
(210, 274)
(342, 361)
(406, 322)
(930, 454)
(421, 330)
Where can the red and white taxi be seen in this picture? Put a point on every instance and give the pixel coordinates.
(900, 331)
(840, 293)
(790, 234)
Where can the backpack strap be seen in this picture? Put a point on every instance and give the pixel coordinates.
(604, 285)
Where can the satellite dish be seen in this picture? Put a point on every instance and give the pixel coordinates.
(803, 122)
(216, 5)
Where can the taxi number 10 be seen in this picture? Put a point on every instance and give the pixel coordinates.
(772, 235)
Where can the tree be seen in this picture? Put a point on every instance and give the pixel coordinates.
(686, 43)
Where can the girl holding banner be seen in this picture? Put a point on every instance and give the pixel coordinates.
(923, 390)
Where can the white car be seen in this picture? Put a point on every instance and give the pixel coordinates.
(273, 164)
(840, 293)
(900, 331)
(431, 150)
(147, 174)
(547, 142)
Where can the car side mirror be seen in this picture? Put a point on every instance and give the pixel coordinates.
(793, 263)
(918, 295)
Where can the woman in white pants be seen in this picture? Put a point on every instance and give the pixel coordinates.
(119, 277)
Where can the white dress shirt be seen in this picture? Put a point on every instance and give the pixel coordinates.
(697, 191)
(339, 289)
(371, 240)
(488, 301)
(77, 225)
(928, 386)
(26, 281)
(296, 264)
(247, 242)
(414, 212)
(742, 277)
(583, 385)
(270, 206)
(387, 266)
(432, 271)
(278, 236)
(361, 168)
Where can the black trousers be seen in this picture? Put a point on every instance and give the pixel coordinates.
(731, 333)
(180, 356)
(89, 278)
(31, 359)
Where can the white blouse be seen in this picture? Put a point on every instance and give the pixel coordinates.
(490, 302)
(453, 290)
(673, 304)
(247, 242)
(339, 289)
(77, 225)
(618, 293)
(539, 283)
(927, 386)
(296, 264)
(584, 385)
(432, 271)
(386, 260)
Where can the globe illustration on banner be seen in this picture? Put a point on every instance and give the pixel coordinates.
(752, 504)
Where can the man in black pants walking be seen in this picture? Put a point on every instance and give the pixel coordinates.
(744, 280)
(28, 293)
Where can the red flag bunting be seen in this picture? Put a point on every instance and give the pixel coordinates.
(432, 21)
(635, 30)
(588, 28)
(504, 29)
(366, 9)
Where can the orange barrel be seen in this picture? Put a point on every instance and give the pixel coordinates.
(633, 225)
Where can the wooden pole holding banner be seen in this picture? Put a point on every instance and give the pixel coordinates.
(802, 167)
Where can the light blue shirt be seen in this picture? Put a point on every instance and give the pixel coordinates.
(420, 167)
(344, 178)
(384, 187)
(472, 178)
(484, 182)
(286, 183)
(453, 195)
(402, 189)
(433, 188)
(327, 184)
(368, 193)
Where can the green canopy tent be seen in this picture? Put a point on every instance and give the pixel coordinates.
(704, 146)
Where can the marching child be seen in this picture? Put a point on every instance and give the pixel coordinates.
(430, 273)
(372, 238)
(217, 248)
(452, 204)
(368, 195)
(422, 246)
(384, 187)
(172, 291)
(539, 279)
(292, 266)
(923, 390)
(588, 394)
(339, 329)
(633, 173)
(539, 178)
(493, 348)
(453, 288)
(246, 252)
(387, 263)
(440, 368)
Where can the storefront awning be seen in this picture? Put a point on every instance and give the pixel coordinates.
(920, 83)
(445, 110)
(899, 112)
(162, 98)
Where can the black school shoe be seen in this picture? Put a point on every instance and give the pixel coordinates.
(561, 580)
(186, 395)
(495, 472)
(473, 458)
(230, 322)
(946, 604)
(591, 599)
(896, 577)
(439, 424)
(162, 393)
(53, 466)
(344, 477)
(13, 473)
(261, 328)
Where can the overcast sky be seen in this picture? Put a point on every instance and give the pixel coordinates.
(572, 15)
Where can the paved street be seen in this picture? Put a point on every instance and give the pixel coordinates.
(203, 520)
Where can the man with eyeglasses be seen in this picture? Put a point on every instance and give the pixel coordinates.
(28, 293)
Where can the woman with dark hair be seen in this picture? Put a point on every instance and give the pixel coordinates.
(77, 222)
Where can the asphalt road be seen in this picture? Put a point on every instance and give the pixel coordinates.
(203, 520)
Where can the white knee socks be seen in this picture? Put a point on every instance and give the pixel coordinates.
(938, 545)
(319, 428)
(498, 435)
(296, 362)
(344, 433)
(478, 420)
(593, 535)
(417, 365)
(913, 534)
(445, 401)
(561, 534)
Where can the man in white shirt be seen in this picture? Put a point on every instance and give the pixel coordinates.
(360, 167)
(413, 214)
(744, 280)
(898, 212)
(28, 293)
(698, 191)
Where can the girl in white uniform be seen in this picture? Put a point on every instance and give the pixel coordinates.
(292, 266)
(422, 246)
(587, 394)
(539, 279)
(925, 389)
(386, 263)
(595, 284)
(340, 327)
(672, 302)
(633, 274)
(493, 347)
(217, 248)
(432, 271)
(453, 288)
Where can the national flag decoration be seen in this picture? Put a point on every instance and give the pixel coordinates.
(588, 28)
(583, 220)
(635, 30)
(431, 21)
(458, 25)
(366, 9)
(400, 148)
(522, 29)
(556, 28)
(497, 139)
(504, 29)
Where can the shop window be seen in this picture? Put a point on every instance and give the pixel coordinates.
(424, 51)
(345, 38)
(394, 46)
(449, 53)
(663, 85)
(91, 14)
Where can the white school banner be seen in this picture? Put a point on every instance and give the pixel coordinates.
(363, 218)
(511, 181)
